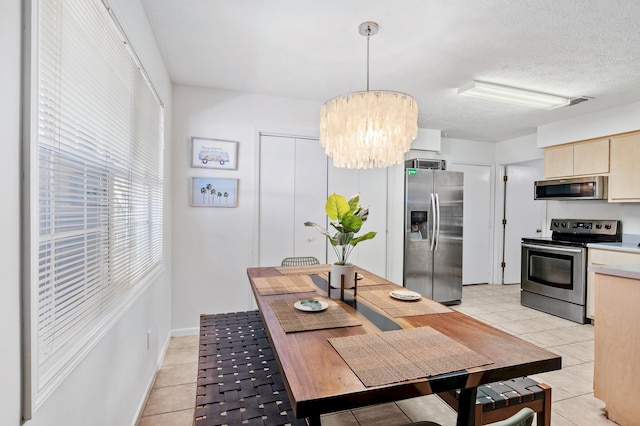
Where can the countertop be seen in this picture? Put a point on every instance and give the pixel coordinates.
(628, 247)
(624, 271)
(630, 243)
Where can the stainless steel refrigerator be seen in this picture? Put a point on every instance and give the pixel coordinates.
(433, 232)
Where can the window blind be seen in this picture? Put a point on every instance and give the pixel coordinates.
(98, 154)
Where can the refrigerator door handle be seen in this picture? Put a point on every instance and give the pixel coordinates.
(433, 221)
(437, 235)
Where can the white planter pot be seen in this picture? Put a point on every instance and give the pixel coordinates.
(349, 272)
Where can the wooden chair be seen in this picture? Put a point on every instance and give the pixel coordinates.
(501, 400)
(300, 261)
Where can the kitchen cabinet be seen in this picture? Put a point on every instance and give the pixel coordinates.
(577, 159)
(624, 179)
(617, 342)
(600, 257)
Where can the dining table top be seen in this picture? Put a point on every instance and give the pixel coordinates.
(319, 380)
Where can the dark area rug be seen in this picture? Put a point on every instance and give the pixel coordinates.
(239, 382)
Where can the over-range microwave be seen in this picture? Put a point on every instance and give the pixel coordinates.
(582, 188)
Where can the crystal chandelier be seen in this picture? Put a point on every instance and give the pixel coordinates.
(369, 129)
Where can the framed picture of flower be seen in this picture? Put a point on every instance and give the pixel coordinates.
(214, 153)
(214, 192)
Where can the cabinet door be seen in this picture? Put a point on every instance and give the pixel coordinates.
(624, 178)
(591, 158)
(604, 257)
(558, 161)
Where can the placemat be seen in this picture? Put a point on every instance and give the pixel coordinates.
(401, 308)
(396, 356)
(293, 320)
(303, 270)
(286, 284)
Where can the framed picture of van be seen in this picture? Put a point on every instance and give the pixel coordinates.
(214, 153)
(214, 192)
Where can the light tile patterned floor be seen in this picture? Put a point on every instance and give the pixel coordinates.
(172, 398)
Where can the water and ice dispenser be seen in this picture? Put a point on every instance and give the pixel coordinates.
(418, 230)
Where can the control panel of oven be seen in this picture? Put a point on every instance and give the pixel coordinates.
(581, 226)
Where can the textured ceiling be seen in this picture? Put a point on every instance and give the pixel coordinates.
(427, 48)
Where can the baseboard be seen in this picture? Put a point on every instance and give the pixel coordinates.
(194, 331)
(159, 362)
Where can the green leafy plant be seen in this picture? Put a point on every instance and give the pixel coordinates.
(347, 217)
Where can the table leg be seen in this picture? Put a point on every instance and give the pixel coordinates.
(314, 420)
(467, 407)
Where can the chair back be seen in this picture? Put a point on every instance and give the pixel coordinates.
(300, 261)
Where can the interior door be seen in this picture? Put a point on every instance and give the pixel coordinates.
(525, 216)
(477, 220)
(293, 190)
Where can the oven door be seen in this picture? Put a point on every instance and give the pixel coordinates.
(555, 271)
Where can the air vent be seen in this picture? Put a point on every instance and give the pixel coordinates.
(426, 163)
(576, 101)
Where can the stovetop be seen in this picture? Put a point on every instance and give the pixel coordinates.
(580, 232)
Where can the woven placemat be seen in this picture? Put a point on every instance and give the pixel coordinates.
(291, 319)
(285, 284)
(401, 308)
(303, 270)
(396, 356)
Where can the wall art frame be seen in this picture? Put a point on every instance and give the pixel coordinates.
(214, 192)
(214, 153)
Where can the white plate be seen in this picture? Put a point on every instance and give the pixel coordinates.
(311, 305)
(405, 295)
(359, 276)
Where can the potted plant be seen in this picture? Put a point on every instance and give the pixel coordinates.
(347, 217)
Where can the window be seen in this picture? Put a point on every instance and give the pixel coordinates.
(95, 161)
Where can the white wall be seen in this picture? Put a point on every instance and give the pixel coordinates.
(602, 123)
(628, 213)
(109, 386)
(212, 247)
(518, 150)
(10, 212)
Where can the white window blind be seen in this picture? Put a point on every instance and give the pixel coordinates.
(97, 169)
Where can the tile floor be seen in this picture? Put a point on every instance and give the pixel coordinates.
(171, 401)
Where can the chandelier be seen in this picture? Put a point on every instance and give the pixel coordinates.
(369, 129)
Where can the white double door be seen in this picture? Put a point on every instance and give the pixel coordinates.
(293, 190)
(295, 179)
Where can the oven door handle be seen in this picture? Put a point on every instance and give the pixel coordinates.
(555, 248)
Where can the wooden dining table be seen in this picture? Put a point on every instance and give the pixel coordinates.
(317, 378)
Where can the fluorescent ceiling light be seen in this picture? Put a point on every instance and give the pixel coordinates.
(513, 95)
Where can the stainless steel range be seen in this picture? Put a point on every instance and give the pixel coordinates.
(554, 270)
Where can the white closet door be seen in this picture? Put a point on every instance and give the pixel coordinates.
(293, 190)
(310, 193)
(277, 202)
